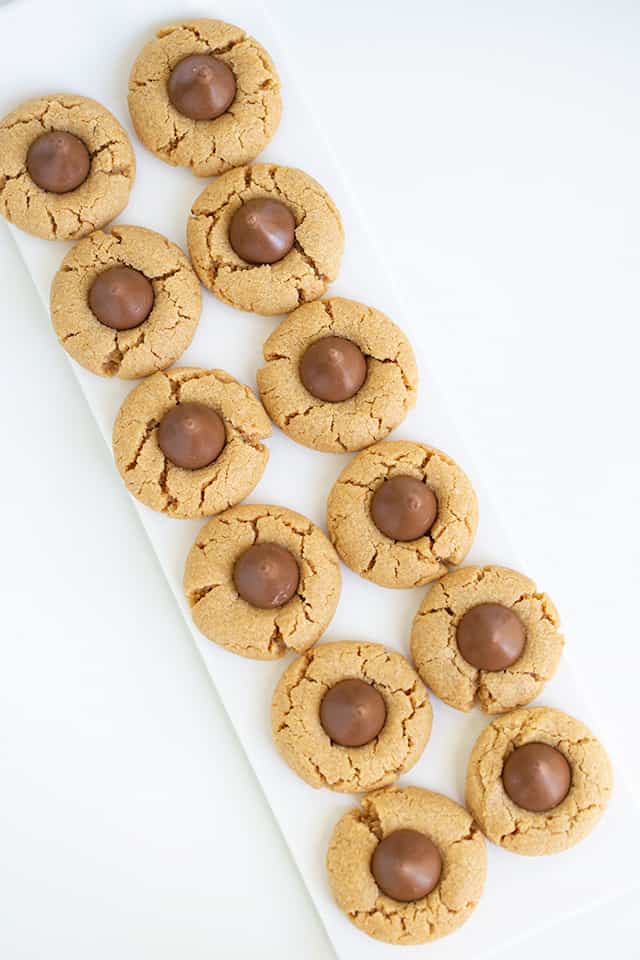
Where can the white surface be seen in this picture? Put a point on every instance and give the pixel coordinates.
(471, 298)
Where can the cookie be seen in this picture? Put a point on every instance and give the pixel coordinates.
(265, 238)
(400, 512)
(486, 635)
(125, 302)
(407, 866)
(339, 375)
(350, 716)
(187, 441)
(261, 580)
(66, 167)
(561, 781)
(204, 95)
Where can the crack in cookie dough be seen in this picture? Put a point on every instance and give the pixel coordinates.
(208, 147)
(161, 485)
(382, 402)
(161, 338)
(102, 196)
(435, 650)
(302, 741)
(391, 563)
(226, 618)
(558, 829)
(302, 275)
(355, 890)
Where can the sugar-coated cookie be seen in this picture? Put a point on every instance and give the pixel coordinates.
(187, 441)
(407, 866)
(125, 302)
(400, 512)
(265, 238)
(538, 781)
(204, 95)
(350, 716)
(486, 635)
(66, 166)
(261, 580)
(338, 376)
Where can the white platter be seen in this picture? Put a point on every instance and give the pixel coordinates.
(88, 49)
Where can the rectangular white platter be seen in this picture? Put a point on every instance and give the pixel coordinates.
(88, 49)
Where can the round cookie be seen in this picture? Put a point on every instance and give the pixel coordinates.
(435, 639)
(304, 731)
(394, 562)
(383, 400)
(211, 582)
(351, 860)
(162, 336)
(522, 830)
(176, 491)
(208, 141)
(304, 272)
(91, 161)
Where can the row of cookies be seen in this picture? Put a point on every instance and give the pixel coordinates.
(408, 865)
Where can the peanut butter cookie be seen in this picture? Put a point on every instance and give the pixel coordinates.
(407, 866)
(66, 167)
(265, 238)
(486, 635)
(537, 781)
(187, 441)
(350, 716)
(339, 375)
(261, 580)
(400, 512)
(125, 302)
(204, 95)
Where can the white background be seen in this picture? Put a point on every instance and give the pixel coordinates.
(515, 234)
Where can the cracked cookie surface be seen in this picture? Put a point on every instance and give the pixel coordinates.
(208, 147)
(172, 490)
(302, 741)
(369, 552)
(224, 617)
(452, 830)
(381, 403)
(443, 668)
(519, 830)
(161, 338)
(102, 196)
(302, 275)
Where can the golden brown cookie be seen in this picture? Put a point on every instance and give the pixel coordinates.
(350, 864)
(152, 478)
(303, 274)
(384, 746)
(437, 656)
(168, 329)
(379, 405)
(374, 555)
(207, 146)
(549, 831)
(224, 616)
(97, 199)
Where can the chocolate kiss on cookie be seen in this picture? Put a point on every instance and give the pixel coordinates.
(262, 231)
(491, 637)
(352, 712)
(266, 575)
(58, 162)
(406, 865)
(536, 777)
(191, 435)
(333, 369)
(404, 508)
(201, 87)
